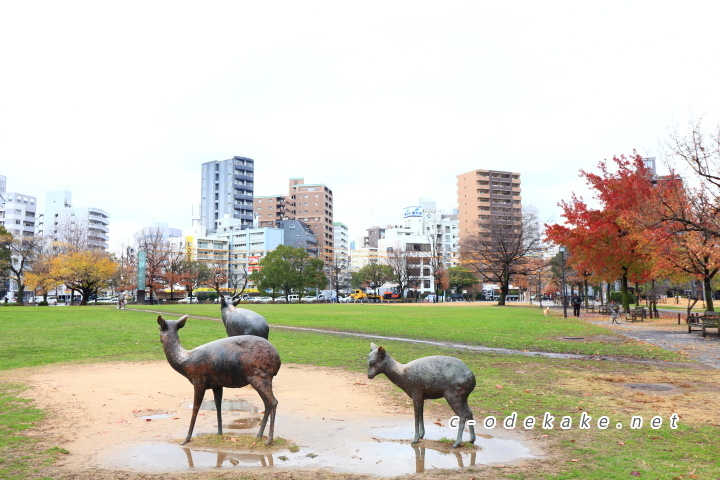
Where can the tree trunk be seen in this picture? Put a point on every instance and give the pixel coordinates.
(707, 281)
(624, 290)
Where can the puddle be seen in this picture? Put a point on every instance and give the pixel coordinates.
(383, 451)
(243, 423)
(155, 417)
(573, 338)
(226, 406)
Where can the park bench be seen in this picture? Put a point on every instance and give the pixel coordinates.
(637, 313)
(703, 322)
(604, 309)
(590, 308)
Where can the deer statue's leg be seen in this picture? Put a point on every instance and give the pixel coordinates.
(459, 406)
(197, 400)
(418, 404)
(469, 416)
(217, 392)
(263, 386)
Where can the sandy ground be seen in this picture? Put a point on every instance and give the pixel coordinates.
(131, 417)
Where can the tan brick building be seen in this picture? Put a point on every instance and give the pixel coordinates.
(312, 204)
(486, 194)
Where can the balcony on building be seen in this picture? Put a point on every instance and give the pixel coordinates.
(243, 176)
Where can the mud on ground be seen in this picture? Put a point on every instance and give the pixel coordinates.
(118, 420)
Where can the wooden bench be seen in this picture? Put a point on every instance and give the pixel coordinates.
(637, 313)
(693, 322)
(604, 309)
(709, 321)
(703, 322)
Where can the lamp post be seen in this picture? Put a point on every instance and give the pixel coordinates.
(564, 291)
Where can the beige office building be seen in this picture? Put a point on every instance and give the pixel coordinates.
(312, 204)
(486, 194)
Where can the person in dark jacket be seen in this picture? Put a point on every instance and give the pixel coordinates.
(576, 303)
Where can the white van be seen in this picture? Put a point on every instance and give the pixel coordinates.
(293, 298)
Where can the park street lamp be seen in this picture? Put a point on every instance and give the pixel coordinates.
(564, 291)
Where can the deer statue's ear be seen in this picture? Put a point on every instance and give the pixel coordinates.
(373, 346)
(381, 351)
(235, 301)
(161, 322)
(181, 322)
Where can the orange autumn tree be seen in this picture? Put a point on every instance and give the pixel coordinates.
(608, 242)
(692, 248)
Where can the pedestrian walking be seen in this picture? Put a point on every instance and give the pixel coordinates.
(576, 303)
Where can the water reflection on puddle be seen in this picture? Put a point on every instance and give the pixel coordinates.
(387, 452)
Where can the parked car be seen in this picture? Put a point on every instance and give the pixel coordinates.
(264, 300)
(293, 298)
(430, 298)
(308, 299)
(106, 300)
(457, 297)
(280, 299)
(188, 300)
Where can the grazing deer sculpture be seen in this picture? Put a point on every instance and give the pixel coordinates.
(428, 377)
(231, 362)
(241, 321)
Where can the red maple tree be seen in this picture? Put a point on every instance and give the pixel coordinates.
(608, 241)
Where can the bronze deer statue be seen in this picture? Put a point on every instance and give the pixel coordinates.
(429, 377)
(241, 321)
(231, 362)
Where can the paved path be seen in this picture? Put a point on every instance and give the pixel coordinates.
(670, 336)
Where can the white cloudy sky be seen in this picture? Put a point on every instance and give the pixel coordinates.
(383, 101)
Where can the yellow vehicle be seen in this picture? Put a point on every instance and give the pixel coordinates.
(359, 295)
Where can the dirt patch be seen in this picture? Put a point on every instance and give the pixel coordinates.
(123, 420)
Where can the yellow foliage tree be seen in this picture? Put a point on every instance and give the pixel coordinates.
(40, 278)
(85, 271)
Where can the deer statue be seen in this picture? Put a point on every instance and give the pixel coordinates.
(428, 377)
(241, 321)
(231, 362)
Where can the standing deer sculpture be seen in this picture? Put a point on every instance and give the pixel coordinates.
(231, 362)
(428, 377)
(241, 321)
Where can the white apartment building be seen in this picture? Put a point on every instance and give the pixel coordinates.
(18, 214)
(427, 233)
(59, 214)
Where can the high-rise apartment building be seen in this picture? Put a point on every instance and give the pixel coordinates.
(64, 222)
(17, 214)
(485, 195)
(312, 204)
(270, 209)
(227, 188)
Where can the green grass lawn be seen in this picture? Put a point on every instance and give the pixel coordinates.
(521, 328)
(529, 386)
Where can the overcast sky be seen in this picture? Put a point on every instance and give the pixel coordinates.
(384, 102)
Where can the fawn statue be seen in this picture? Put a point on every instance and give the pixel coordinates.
(231, 362)
(428, 377)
